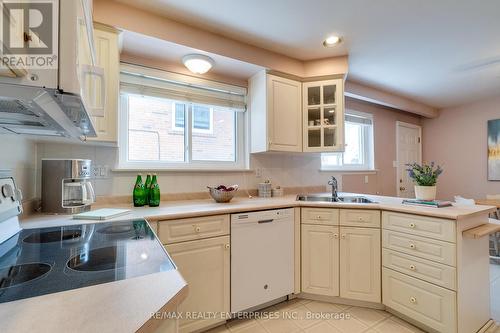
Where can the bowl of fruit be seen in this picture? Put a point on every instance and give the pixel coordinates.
(223, 193)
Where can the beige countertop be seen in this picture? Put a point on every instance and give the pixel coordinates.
(127, 305)
(121, 306)
(169, 210)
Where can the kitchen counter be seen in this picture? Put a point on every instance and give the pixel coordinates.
(127, 305)
(193, 208)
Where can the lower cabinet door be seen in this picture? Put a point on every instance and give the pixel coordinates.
(360, 272)
(320, 259)
(204, 264)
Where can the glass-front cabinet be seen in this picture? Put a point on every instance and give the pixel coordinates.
(323, 114)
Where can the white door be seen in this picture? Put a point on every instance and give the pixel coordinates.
(360, 276)
(320, 260)
(204, 264)
(409, 150)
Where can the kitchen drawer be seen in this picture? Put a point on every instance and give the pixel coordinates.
(431, 227)
(431, 249)
(327, 216)
(442, 275)
(422, 301)
(175, 231)
(360, 218)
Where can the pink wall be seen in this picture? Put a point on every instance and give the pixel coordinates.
(457, 141)
(384, 122)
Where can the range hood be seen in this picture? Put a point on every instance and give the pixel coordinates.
(55, 101)
(45, 112)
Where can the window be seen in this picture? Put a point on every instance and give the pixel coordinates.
(164, 130)
(202, 118)
(358, 153)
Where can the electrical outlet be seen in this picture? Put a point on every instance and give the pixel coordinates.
(258, 173)
(100, 171)
(366, 179)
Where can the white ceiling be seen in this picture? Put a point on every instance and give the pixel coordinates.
(439, 52)
(168, 53)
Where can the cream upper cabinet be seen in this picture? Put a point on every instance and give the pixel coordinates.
(204, 264)
(320, 259)
(108, 59)
(323, 116)
(275, 105)
(360, 267)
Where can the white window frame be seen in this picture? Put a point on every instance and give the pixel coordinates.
(241, 151)
(368, 152)
(210, 130)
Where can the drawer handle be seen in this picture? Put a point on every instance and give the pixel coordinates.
(197, 229)
(412, 225)
(227, 246)
(412, 246)
(413, 300)
(413, 268)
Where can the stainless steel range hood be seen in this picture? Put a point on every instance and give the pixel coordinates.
(37, 111)
(55, 101)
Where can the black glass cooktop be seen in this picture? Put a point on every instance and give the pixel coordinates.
(36, 262)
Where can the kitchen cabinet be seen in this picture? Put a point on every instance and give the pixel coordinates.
(275, 105)
(341, 260)
(320, 259)
(360, 275)
(323, 116)
(204, 264)
(105, 99)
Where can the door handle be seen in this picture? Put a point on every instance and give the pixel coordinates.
(266, 221)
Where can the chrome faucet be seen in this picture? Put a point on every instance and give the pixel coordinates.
(334, 184)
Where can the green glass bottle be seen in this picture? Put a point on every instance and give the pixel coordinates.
(147, 187)
(154, 193)
(139, 194)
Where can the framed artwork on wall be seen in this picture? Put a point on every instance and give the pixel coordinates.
(494, 149)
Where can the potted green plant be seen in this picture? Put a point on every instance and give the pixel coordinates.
(425, 176)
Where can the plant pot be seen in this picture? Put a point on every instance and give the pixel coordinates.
(425, 192)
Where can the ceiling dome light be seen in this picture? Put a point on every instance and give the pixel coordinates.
(198, 63)
(331, 41)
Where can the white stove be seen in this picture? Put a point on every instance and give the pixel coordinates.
(10, 208)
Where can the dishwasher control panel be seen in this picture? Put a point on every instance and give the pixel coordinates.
(265, 214)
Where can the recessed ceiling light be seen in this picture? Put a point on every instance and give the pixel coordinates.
(198, 63)
(331, 41)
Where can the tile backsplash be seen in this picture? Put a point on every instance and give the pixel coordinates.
(282, 169)
(19, 155)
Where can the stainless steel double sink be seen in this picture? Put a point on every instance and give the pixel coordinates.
(328, 198)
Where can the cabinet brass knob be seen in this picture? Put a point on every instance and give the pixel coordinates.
(412, 225)
(343, 236)
(412, 267)
(413, 300)
(335, 235)
(227, 246)
(197, 229)
(412, 246)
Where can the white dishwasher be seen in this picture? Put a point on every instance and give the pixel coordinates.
(262, 257)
